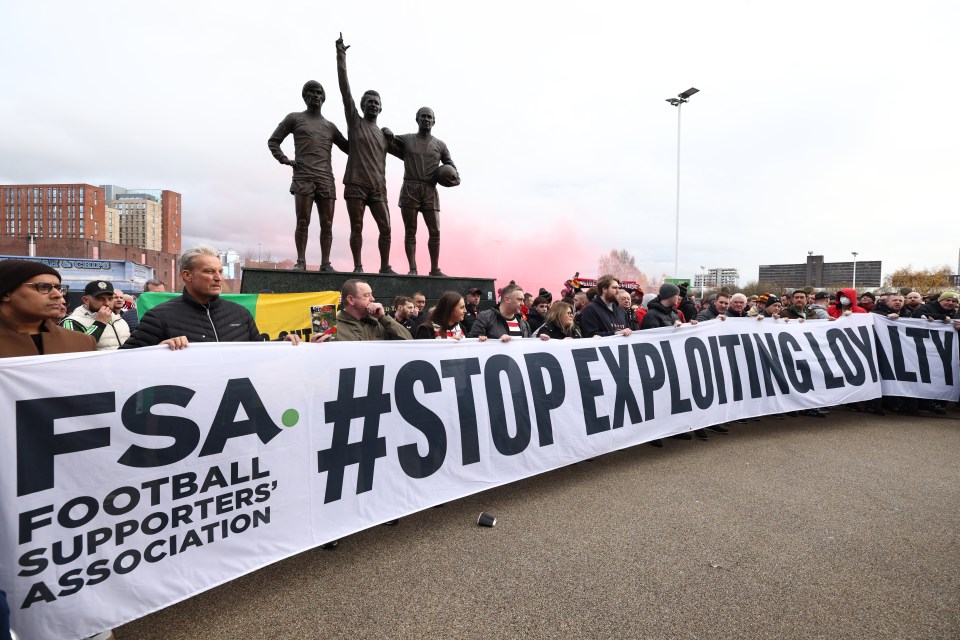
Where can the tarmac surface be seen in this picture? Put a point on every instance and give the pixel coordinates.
(847, 527)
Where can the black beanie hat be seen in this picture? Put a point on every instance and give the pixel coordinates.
(14, 273)
(668, 290)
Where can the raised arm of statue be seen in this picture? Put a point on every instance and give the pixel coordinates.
(349, 106)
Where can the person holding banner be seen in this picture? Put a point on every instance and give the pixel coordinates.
(771, 309)
(943, 308)
(662, 310)
(199, 315)
(737, 307)
(604, 316)
(559, 324)
(503, 322)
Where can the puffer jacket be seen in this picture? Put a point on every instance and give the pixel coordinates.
(835, 310)
(217, 321)
(659, 316)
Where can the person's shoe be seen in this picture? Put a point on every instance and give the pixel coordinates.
(300, 265)
(777, 416)
(658, 443)
(934, 409)
(326, 267)
(358, 268)
(391, 523)
(438, 273)
(855, 408)
(741, 421)
(792, 414)
(814, 413)
(717, 428)
(330, 546)
(388, 270)
(412, 272)
(701, 434)
(682, 436)
(877, 411)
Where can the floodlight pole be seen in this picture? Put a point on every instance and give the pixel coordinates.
(854, 285)
(678, 103)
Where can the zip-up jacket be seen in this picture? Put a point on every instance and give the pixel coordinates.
(492, 324)
(217, 321)
(108, 336)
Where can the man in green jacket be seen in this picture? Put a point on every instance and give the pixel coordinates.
(361, 317)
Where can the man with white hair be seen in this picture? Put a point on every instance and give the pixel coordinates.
(738, 306)
(199, 315)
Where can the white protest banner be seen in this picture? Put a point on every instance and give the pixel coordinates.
(917, 358)
(132, 480)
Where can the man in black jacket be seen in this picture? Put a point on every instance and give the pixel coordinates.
(661, 311)
(503, 322)
(943, 309)
(604, 316)
(717, 308)
(738, 306)
(199, 315)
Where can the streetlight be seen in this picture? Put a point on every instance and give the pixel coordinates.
(677, 102)
(703, 280)
(854, 285)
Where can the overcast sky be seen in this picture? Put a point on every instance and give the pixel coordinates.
(819, 126)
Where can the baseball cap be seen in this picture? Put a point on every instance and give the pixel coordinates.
(98, 287)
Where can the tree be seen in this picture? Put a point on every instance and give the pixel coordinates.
(924, 281)
(622, 264)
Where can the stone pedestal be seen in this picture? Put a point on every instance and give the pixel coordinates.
(385, 287)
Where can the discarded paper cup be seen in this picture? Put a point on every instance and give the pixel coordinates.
(486, 520)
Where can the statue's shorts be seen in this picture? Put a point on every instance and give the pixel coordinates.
(366, 193)
(419, 195)
(323, 190)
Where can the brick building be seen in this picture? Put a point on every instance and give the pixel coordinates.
(75, 221)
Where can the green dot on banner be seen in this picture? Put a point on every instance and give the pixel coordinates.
(290, 417)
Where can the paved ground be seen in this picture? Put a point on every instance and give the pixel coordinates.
(847, 527)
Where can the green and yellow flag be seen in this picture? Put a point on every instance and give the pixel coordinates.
(276, 314)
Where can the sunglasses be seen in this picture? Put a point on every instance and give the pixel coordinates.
(46, 287)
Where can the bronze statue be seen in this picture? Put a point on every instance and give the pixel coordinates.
(422, 156)
(313, 181)
(364, 183)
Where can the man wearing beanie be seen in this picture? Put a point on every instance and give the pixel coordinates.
(943, 308)
(96, 317)
(30, 299)
(662, 311)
